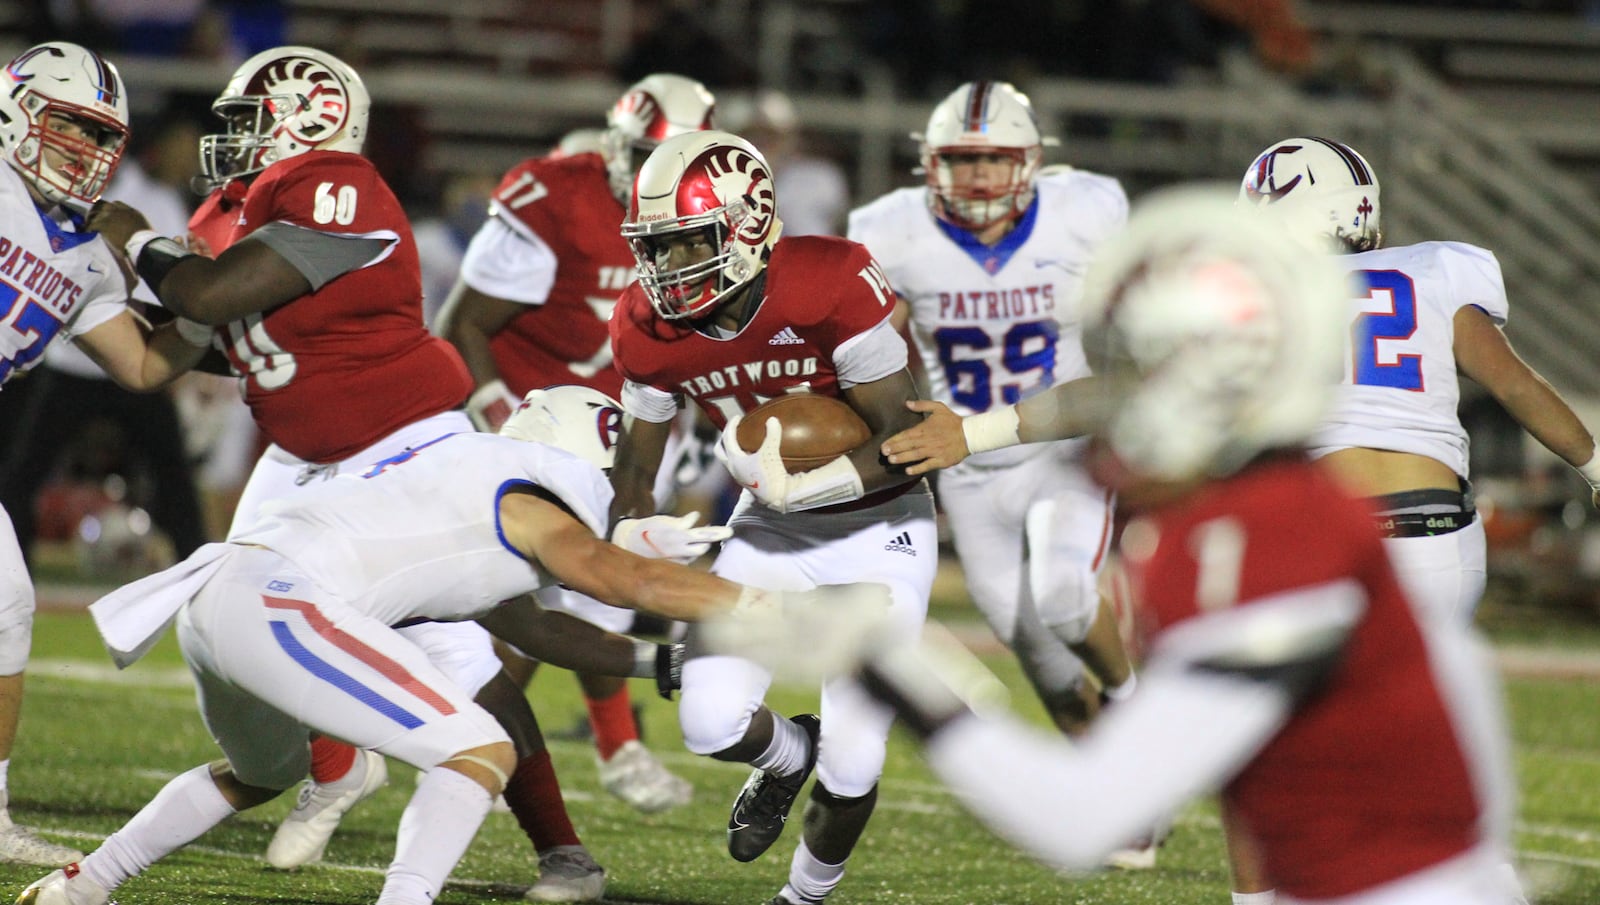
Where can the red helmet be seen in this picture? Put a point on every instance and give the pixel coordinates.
(713, 183)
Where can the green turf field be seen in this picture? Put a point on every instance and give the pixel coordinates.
(96, 745)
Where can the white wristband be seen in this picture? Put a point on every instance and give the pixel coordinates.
(994, 429)
(193, 332)
(1591, 470)
(137, 242)
(836, 482)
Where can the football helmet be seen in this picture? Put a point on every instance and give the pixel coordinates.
(712, 184)
(280, 103)
(981, 118)
(580, 420)
(1322, 189)
(1218, 336)
(55, 80)
(652, 110)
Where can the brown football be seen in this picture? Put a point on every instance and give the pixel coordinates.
(816, 429)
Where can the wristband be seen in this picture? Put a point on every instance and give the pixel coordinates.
(137, 242)
(836, 482)
(669, 668)
(157, 257)
(994, 429)
(193, 332)
(1591, 470)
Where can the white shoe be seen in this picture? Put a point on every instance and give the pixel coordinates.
(303, 836)
(21, 846)
(64, 887)
(634, 775)
(568, 874)
(1142, 854)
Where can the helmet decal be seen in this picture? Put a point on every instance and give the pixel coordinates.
(742, 168)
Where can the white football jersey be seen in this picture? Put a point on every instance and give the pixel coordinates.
(995, 325)
(418, 534)
(54, 278)
(1399, 390)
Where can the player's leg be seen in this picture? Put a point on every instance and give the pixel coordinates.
(333, 669)
(987, 524)
(16, 636)
(898, 548)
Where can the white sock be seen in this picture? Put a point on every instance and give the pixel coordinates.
(435, 830)
(789, 751)
(809, 879)
(184, 808)
(1255, 898)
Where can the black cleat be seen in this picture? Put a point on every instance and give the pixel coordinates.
(762, 808)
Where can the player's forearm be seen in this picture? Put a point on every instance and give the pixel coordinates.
(655, 586)
(1067, 410)
(560, 639)
(1543, 413)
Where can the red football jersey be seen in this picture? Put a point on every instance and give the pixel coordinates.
(332, 372)
(1369, 779)
(217, 216)
(567, 203)
(820, 291)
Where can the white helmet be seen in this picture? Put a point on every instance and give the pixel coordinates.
(281, 103)
(577, 419)
(982, 117)
(652, 110)
(703, 181)
(1323, 189)
(62, 79)
(1219, 337)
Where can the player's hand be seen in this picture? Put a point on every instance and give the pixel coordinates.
(761, 472)
(198, 246)
(935, 443)
(804, 637)
(490, 405)
(115, 222)
(672, 537)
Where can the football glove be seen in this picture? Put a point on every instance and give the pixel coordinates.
(671, 537)
(764, 475)
(490, 405)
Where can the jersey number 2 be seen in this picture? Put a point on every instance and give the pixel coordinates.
(1390, 316)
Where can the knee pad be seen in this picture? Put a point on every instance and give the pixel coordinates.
(849, 771)
(1066, 597)
(713, 720)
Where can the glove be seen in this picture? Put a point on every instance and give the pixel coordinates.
(671, 537)
(490, 405)
(761, 472)
(769, 481)
(803, 637)
(669, 668)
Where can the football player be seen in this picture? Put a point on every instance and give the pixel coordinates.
(63, 129)
(315, 294)
(537, 285)
(987, 261)
(1359, 742)
(287, 629)
(726, 314)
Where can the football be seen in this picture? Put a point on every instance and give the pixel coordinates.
(816, 429)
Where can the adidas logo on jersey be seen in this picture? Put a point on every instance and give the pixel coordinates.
(901, 544)
(786, 337)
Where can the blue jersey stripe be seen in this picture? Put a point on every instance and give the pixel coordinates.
(346, 683)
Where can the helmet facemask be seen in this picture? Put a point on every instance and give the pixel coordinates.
(698, 288)
(977, 207)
